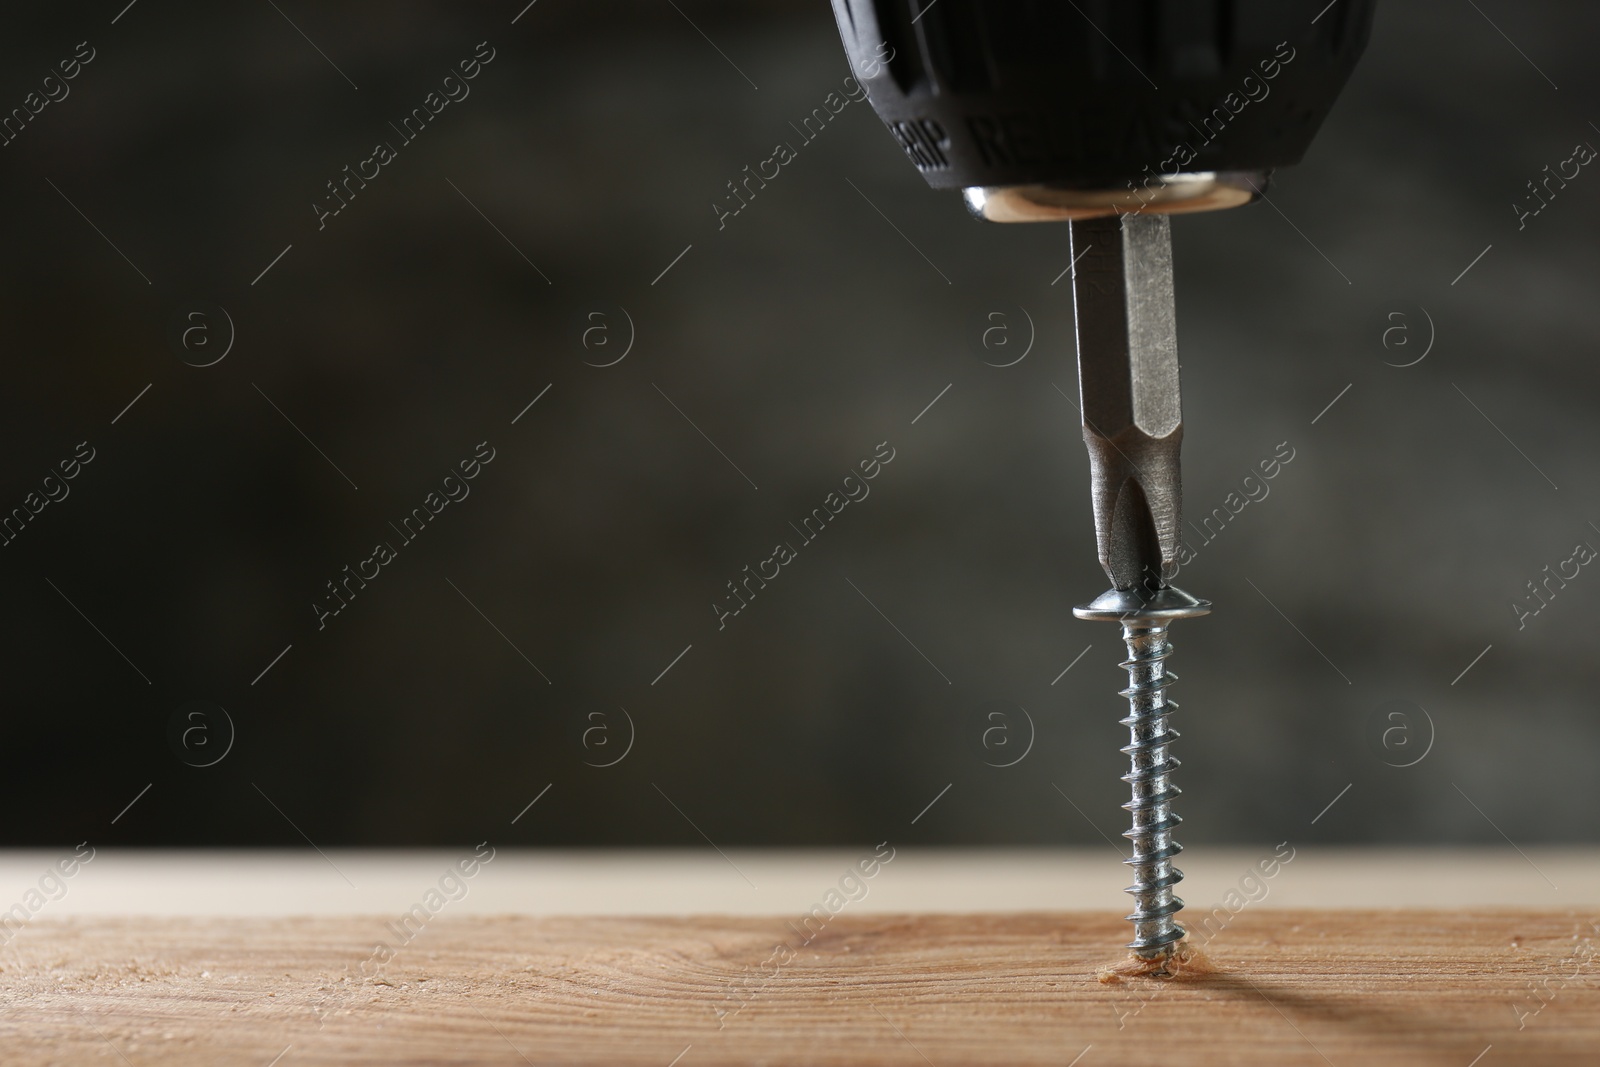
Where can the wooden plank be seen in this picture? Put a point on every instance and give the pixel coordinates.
(1280, 988)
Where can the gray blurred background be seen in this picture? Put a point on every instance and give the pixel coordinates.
(527, 634)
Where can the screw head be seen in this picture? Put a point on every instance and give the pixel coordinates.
(1139, 604)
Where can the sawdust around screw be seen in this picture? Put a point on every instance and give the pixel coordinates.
(1187, 962)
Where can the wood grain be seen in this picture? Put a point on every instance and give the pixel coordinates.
(1287, 988)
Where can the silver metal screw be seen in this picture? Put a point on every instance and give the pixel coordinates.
(1145, 618)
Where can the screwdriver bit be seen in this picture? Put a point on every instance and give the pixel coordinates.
(1128, 389)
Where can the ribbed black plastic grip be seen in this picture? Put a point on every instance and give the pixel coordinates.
(1097, 93)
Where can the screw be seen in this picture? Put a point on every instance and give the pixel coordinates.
(1145, 616)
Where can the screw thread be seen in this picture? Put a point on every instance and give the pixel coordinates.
(1156, 931)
